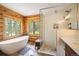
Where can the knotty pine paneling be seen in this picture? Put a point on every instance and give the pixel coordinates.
(26, 22)
(28, 18)
(1, 26)
(5, 12)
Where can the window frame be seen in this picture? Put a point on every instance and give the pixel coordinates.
(34, 26)
(13, 27)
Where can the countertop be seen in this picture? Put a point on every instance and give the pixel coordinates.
(70, 37)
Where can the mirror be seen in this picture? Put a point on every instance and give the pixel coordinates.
(71, 17)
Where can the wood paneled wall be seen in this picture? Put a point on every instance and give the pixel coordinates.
(26, 24)
(5, 12)
(9, 12)
(1, 26)
(27, 19)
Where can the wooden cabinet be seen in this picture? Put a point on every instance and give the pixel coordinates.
(64, 50)
(60, 47)
(69, 51)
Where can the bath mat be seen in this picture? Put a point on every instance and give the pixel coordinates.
(31, 52)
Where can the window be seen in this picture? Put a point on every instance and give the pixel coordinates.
(37, 27)
(18, 28)
(34, 27)
(12, 27)
(8, 27)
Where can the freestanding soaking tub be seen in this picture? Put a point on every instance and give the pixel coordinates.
(13, 45)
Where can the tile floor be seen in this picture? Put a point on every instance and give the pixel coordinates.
(29, 50)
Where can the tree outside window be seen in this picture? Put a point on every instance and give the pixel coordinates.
(34, 27)
(12, 27)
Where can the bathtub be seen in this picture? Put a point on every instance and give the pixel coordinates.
(13, 45)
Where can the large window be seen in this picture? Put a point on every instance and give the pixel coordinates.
(12, 27)
(34, 27)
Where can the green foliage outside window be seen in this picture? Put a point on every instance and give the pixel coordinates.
(12, 27)
(34, 28)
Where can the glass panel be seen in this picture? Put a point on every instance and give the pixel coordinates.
(34, 28)
(31, 27)
(12, 27)
(8, 27)
(37, 28)
(18, 28)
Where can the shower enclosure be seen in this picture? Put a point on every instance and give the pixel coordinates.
(53, 18)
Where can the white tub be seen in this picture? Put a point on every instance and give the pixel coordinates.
(13, 45)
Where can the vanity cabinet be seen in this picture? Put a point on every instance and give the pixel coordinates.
(69, 51)
(68, 42)
(64, 49)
